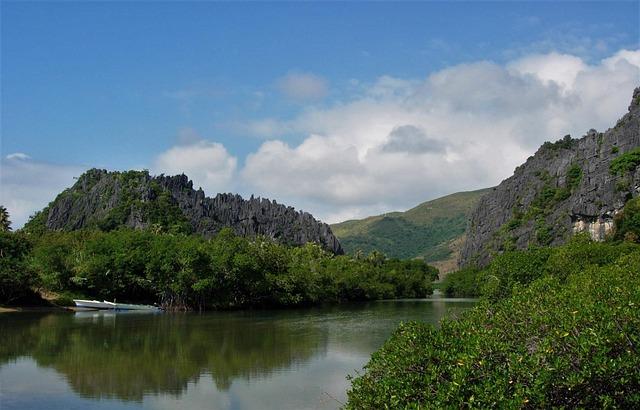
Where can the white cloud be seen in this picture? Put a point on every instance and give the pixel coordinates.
(481, 119)
(302, 86)
(623, 56)
(207, 164)
(27, 186)
(562, 69)
(18, 156)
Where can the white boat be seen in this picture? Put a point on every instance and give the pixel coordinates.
(129, 306)
(92, 304)
(96, 304)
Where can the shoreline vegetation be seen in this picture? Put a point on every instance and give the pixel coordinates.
(190, 272)
(554, 328)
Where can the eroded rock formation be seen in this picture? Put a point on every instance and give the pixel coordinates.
(138, 200)
(566, 187)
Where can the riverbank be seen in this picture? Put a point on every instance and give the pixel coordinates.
(14, 309)
(557, 327)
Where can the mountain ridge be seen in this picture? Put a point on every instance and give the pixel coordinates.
(135, 199)
(430, 230)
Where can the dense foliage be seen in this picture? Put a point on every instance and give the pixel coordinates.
(462, 283)
(189, 271)
(627, 222)
(511, 268)
(522, 267)
(404, 239)
(626, 162)
(16, 278)
(557, 328)
(425, 231)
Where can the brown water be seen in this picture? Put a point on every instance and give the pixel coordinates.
(283, 359)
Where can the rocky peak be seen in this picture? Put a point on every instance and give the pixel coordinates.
(566, 187)
(104, 199)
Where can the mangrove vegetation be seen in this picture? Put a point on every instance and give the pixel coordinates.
(555, 328)
(180, 271)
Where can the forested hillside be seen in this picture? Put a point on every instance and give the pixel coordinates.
(431, 231)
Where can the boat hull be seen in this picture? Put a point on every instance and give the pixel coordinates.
(127, 306)
(92, 304)
(96, 304)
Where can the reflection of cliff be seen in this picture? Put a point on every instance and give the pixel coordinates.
(126, 356)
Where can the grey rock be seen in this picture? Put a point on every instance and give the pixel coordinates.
(590, 206)
(98, 192)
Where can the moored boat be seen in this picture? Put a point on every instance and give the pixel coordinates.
(96, 304)
(92, 304)
(129, 306)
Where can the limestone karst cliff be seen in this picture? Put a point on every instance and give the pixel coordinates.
(566, 187)
(135, 199)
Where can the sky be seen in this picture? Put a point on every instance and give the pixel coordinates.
(344, 110)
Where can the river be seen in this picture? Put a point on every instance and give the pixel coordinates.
(275, 359)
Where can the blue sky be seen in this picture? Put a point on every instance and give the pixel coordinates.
(119, 85)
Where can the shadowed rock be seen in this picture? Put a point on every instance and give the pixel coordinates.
(548, 198)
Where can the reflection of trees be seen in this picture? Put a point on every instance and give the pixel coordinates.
(126, 356)
(363, 328)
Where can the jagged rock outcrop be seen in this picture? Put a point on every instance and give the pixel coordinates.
(138, 200)
(566, 187)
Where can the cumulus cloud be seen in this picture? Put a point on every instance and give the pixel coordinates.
(208, 164)
(27, 185)
(561, 69)
(302, 86)
(404, 141)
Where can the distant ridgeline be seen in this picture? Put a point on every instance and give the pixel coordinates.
(569, 186)
(432, 230)
(108, 200)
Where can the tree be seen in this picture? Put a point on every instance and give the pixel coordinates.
(376, 258)
(5, 223)
(627, 222)
(16, 277)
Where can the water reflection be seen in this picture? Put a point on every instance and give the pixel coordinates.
(160, 360)
(125, 356)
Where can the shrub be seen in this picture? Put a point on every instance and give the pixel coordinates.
(556, 343)
(574, 176)
(626, 162)
(565, 143)
(463, 283)
(627, 222)
(510, 268)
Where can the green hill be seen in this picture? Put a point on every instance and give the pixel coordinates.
(432, 230)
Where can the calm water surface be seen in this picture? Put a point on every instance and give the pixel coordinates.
(286, 359)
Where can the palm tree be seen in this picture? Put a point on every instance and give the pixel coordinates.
(5, 223)
(377, 258)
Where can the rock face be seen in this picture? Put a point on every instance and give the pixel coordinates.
(566, 187)
(138, 200)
